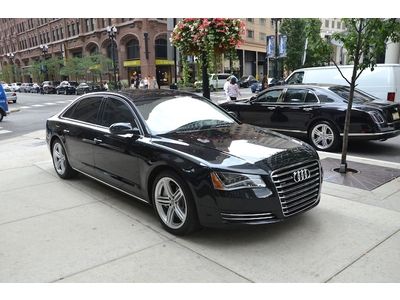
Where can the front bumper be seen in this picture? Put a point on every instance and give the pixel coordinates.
(283, 199)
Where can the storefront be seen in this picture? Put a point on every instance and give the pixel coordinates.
(164, 71)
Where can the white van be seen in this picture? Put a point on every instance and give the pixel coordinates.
(383, 82)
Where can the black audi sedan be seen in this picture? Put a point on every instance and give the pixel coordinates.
(317, 112)
(188, 158)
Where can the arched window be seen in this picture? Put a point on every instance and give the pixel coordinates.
(161, 47)
(93, 50)
(132, 49)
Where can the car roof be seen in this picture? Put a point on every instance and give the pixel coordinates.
(309, 85)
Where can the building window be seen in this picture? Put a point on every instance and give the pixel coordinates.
(333, 24)
(327, 23)
(78, 27)
(338, 24)
(161, 47)
(250, 20)
(262, 36)
(263, 21)
(132, 49)
(250, 34)
(68, 30)
(61, 33)
(73, 29)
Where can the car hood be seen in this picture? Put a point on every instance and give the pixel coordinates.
(240, 148)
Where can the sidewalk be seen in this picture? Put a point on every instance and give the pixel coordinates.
(55, 230)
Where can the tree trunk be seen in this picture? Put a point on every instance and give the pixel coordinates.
(204, 71)
(343, 162)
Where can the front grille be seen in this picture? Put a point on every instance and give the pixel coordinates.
(247, 218)
(298, 196)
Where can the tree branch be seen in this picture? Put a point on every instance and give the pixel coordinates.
(337, 67)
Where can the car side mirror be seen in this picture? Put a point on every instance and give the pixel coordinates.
(123, 128)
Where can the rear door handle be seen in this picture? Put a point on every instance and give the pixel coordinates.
(271, 107)
(65, 131)
(97, 141)
(307, 109)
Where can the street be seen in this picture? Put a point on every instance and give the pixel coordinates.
(32, 110)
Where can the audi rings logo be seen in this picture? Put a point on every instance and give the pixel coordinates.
(301, 175)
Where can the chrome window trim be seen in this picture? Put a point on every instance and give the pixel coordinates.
(372, 134)
(289, 130)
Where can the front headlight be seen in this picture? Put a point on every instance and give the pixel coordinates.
(225, 181)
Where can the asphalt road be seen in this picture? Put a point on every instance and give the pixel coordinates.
(32, 110)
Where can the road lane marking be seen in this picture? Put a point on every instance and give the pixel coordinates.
(4, 131)
(37, 105)
(50, 103)
(24, 107)
(61, 102)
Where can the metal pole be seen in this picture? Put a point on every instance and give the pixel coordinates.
(114, 65)
(175, 65)
(276, 50)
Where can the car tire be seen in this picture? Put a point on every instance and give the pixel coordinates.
(173, 204)
(324, 136)
(60, 160)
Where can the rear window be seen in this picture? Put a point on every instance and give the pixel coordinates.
(85, 110)
(359, 97)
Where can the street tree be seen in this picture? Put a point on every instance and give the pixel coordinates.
(298, 31)
(364, 40)
(205, 36)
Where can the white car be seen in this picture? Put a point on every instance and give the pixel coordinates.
(10, 95)
(15, 86)
(216, 81)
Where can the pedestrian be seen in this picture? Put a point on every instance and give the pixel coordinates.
(146, 82)
(137, 81)
(153, 83)
(233, 89)
(132, 81)
(264, 83)
(226, 84)
(158, 78)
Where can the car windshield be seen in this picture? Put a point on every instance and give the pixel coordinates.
(181, 113)
(359, 97)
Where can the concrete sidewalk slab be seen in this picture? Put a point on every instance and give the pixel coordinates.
(49, 247)
(39, 199)
(310, 248)
(16, 178)
(382, 264)
(166, 262)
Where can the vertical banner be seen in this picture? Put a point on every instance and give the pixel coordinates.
(270, 46)
(282, 45)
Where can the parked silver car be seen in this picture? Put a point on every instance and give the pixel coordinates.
(10, 95)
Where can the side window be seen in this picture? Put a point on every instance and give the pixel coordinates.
(295, 96)
(116, 111)
(296, 78)
(85, 110)
(325, 98)
(270, 96)
(311, 98)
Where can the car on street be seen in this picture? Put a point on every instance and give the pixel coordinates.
(65, 88)
(246, 81)
(88, 87)
(35, 88)
(256, 87)
(15, 86)
(3, 104)
(216, 81)
(317, 112)
(185, 156)
(11, 96)
(48, 87)
(25, 87)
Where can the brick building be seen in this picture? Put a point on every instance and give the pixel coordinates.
(141, 43)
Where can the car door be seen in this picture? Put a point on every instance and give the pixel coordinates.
(116, 155)
(293, 111)
(260, 111)
(79, 130)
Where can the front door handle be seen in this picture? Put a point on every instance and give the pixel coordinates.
(307, 109)
(97, 141)
(271, 107)
(65, 131)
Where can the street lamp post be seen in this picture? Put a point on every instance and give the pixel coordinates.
(44, 70)
(112, 33)
(11, 58)
(276, 20)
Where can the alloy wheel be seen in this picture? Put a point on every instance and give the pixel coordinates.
(59, 158)
(323, 136)
(170, 203)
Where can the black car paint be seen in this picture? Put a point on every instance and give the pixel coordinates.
(191, 155)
